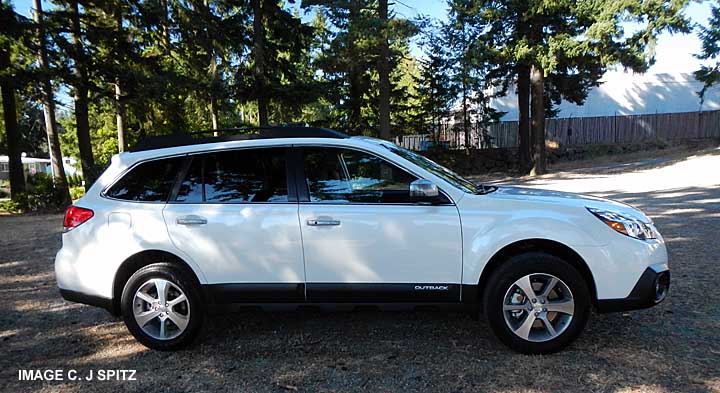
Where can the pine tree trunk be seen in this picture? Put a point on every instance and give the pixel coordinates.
(259, 59)
(119, 104)
(213, 100)
(213, 76)
(465, 72)
(466, 118)
(383, 68)
(120, 117)
(59, 179)
(81, 100)
(523, 95)
(214, 113)
(166, 25)
(17, 175)
(355, 73)
(355, 98)
(538, 120)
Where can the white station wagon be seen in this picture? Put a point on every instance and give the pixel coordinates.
(309, 216)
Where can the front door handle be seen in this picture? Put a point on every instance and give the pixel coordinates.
(321, 223)
(191, 220)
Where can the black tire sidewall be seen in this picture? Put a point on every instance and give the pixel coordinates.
(178, 277)
(519, 266)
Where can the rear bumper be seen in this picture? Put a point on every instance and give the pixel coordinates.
(90, 300)
(650, 290)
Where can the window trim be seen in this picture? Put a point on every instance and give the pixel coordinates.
(295, 177)
(302, 187)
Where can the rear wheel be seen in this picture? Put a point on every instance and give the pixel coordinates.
(161, 307)
(537, 303)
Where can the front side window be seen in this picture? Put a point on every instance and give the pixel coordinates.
(345, 176)
(236, 176)
(434, 168)
(149, 181)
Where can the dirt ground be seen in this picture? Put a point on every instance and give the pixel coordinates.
(672, 347)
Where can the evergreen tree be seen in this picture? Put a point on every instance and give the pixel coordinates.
(11, 43)
(346, 62)
(79, 79)
(560, 49)
(359, 63)
(709, 75)
(383, 70)
(49, 106)
(467, 57)
(433, 82)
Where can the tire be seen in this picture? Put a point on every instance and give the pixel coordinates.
(182, 320)
(522, 324)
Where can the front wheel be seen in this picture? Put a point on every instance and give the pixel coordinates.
(537, 303)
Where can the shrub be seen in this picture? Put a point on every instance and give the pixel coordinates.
(75, 180)
(12, 206)
(40, 195)
(77, 192)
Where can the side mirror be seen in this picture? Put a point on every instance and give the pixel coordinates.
(423, 189)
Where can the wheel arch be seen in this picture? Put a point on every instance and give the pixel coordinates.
(141, 259)
(542, 245)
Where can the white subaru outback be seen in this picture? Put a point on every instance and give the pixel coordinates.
(309, 216)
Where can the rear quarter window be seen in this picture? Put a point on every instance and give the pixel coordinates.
(150, 181)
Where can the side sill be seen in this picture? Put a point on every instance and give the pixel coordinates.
(220, 294)
(366, 293)
(215, 309)
(91, 300)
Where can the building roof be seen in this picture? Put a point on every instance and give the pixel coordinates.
(627, 93)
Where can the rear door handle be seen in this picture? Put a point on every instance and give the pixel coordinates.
(320, 223)
(191, 220)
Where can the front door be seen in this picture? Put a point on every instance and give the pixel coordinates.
(366, 240)
(234, 216)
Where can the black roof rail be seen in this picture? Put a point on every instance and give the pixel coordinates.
(243, 133)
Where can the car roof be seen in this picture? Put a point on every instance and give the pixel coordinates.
(219, 144)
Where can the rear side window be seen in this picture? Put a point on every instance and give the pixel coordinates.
(236, 176)
(150, 181)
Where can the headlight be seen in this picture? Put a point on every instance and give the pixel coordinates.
(625, 225)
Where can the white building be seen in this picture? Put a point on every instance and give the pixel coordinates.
(626, 93)
(33, 165)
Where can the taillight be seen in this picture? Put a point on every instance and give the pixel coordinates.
(75, 216)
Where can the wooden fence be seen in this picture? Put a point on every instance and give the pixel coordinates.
(583, 131)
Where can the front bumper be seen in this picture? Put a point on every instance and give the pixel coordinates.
(650, 290)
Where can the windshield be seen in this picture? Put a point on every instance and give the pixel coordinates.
(434, 168)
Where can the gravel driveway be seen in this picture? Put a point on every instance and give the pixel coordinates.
(672, 347)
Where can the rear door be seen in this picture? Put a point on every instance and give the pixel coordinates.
(235, 215)
(366, 240)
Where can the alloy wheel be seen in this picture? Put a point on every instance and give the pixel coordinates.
(161, 309)
(538, 307)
